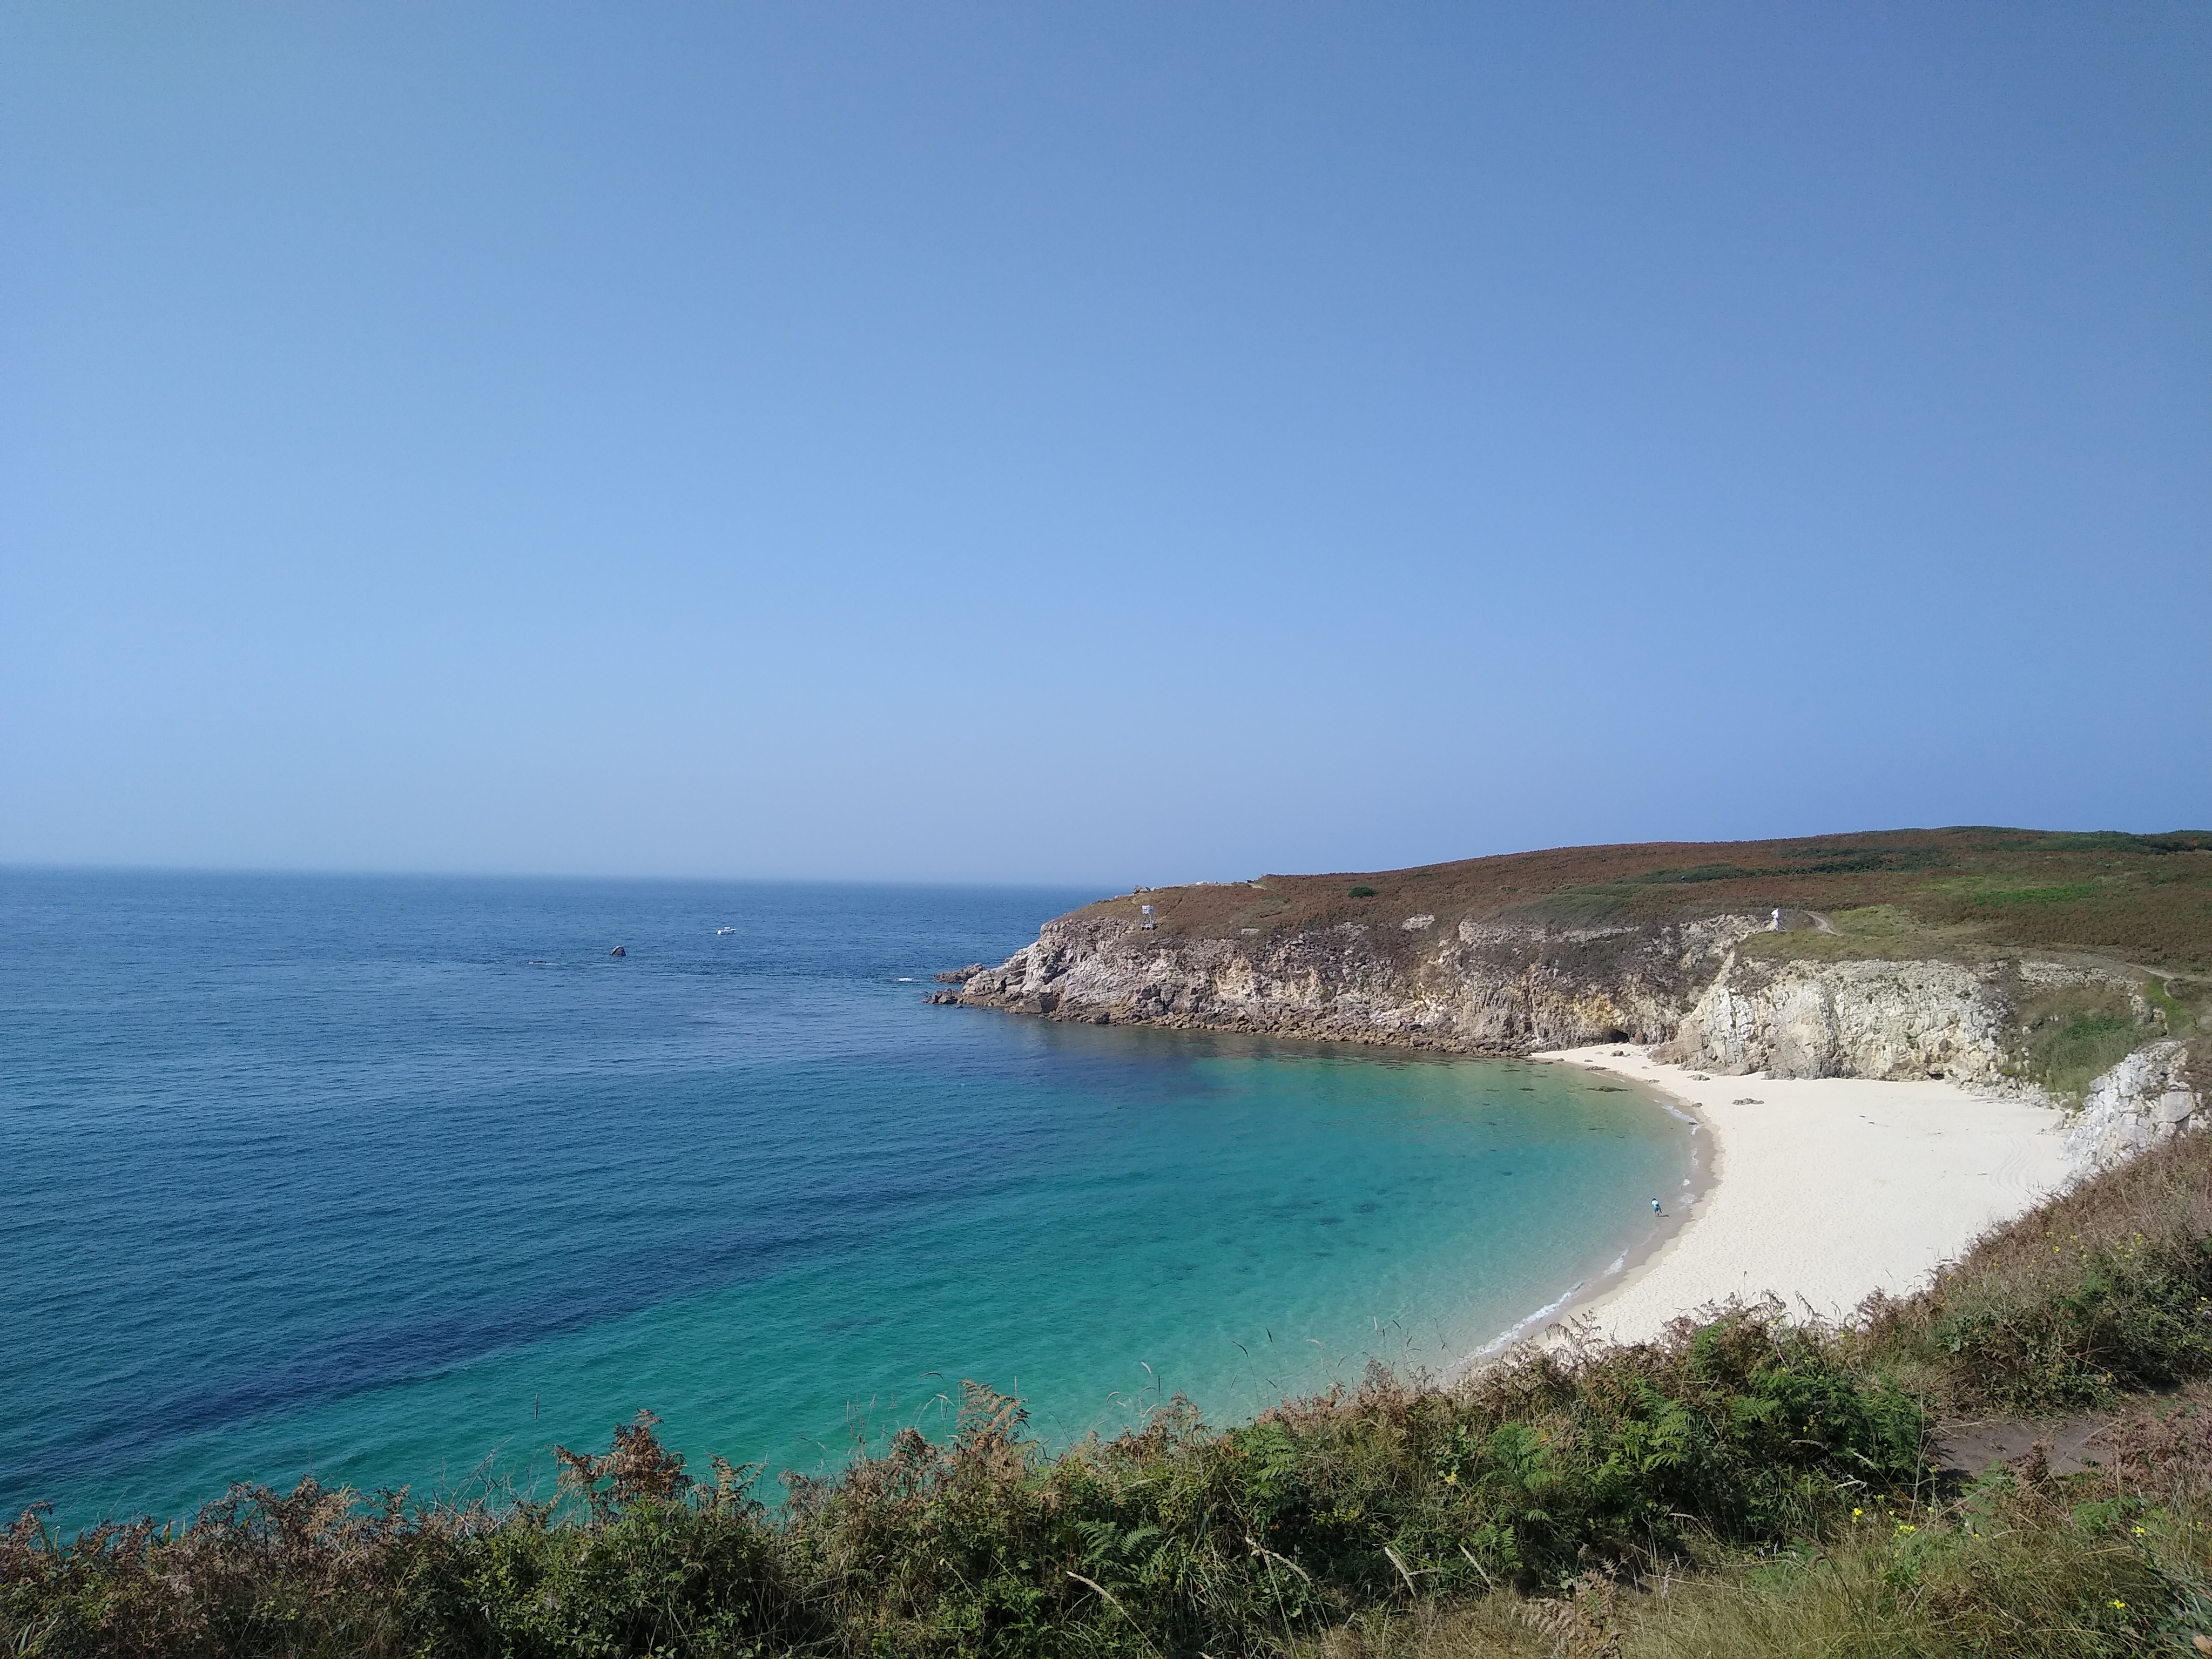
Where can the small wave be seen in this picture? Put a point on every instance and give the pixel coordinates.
(1536, 1320)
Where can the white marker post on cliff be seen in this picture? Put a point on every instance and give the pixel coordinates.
(1149, 922)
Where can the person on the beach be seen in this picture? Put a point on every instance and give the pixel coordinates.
(1655, 1207)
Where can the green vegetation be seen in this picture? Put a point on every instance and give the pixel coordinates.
(1875, 933)
(1700, 872)
(2105, 1564)
(2178, 1003)
(2069, 1039)
(1360, 892)
(1743, 1487)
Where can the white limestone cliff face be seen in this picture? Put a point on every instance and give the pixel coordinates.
(1878, 1020)
(2146, 1098)
(1797, 1018)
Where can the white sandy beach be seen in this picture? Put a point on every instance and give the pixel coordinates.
(1823, 1190)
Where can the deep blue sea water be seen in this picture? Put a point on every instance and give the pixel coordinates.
(403, 1181)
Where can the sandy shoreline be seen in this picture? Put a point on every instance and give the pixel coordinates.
(1821, 1191)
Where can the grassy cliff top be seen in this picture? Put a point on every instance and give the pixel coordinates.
(2144, 899)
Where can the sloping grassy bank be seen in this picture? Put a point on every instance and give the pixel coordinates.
(2111, 1561)
(1741, 1486)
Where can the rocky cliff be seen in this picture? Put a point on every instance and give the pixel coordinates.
(2155, 1092)
(1473, 986)
(1719, 993)
(1508, 988)
(1874, 1018)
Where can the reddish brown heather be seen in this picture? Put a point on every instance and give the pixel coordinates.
(2146, 898)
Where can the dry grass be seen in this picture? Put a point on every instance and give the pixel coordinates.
(2146, 899)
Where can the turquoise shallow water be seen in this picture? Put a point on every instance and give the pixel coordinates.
(405, 1182)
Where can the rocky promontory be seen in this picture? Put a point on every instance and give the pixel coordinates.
(1470, 987)
(1839, 956)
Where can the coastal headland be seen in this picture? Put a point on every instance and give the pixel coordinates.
(1895, 1039)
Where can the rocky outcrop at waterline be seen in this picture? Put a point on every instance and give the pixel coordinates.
(1473, 988)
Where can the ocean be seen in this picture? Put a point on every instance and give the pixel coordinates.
(404, 1182)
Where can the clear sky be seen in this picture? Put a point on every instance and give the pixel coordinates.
(1124, 442)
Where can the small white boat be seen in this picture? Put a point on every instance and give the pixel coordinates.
(719, 931)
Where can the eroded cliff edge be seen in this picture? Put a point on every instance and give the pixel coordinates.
(1501, 988)
(1467, 987)
(1503, 956)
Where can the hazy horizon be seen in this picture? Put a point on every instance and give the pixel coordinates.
(1110, 884)
(990, 446)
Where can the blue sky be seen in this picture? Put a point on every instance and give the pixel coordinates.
(1126, 443)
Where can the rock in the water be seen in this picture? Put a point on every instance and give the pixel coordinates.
(617, 951)
(960, 975)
